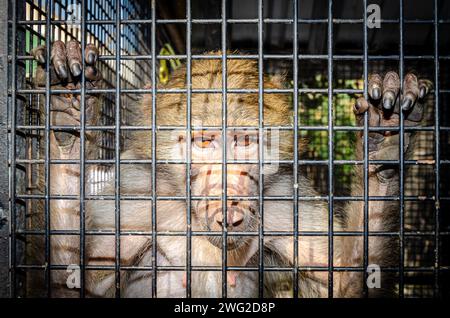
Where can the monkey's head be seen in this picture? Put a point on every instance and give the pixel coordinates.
(242, 142)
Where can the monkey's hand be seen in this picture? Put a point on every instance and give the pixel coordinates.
(65, 69)
(385, 103)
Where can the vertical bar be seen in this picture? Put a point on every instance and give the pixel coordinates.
(224, 150)
(5, 219)
(188, 148)
(261, 145)
(402, 167)
(82, 149)
(12, 152)
(117, 148)
(366, 160)
(330, 149)
(154, 229)
(295, 168)
(438, 153)
(48, 41)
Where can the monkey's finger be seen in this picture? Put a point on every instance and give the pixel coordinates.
(39, 54)
(59, 59)
(375, 86)
(375, 116)
(425, 86)
(391, 86)
(74, 57)
(91, 54)
(360, 107)
(410, 91)
(92, 74)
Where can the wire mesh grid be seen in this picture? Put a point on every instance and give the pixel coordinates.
(129, 35)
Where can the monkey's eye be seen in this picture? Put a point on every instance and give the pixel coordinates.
(204, 141)
(244, 140)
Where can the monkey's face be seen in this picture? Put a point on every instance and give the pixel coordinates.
(241, 183)
(242, 146)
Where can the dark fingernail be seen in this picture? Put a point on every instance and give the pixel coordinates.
(407, 103)
(76, 69)
(376, 93)
(422, 92)
(91, 58)
(387, 103)
(62, 71)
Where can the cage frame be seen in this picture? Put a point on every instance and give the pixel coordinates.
(8, 106)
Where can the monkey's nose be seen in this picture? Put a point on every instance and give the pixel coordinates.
(233, 219)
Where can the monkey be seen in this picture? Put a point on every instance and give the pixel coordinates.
(203, 146)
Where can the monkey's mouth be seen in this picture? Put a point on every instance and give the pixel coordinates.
(232, 242)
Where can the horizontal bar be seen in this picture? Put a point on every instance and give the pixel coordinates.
(218, 128)
(230, 233)
(218, 198)
(300, 162)
(235, 268)
(194, 90)
(254, 57)
(231, 21)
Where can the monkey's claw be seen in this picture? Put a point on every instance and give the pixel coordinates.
(386, 101)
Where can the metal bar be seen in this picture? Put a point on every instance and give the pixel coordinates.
(224, 151)
(401, 162)
(261, 147)
(5, 215)
(48, 41)
(217, 233)
(232, 161)
(188, 148)
(424, 269)
(237, 21)
(349, 57)
(365, 158)
(82, 150)
(275, 198)
(12, 155)
(295, 165)
(154, 162)
(117, 147)
(184, 91)
(330, 149)
(437, 156)
(300, 127)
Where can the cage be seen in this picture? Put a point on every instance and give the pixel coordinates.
(324, 50)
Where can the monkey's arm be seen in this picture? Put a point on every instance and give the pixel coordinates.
(383, 109)
(65, 73)
(135, 216)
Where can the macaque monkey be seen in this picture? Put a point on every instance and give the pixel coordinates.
(243, 141)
